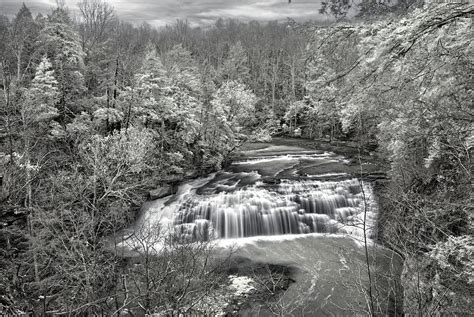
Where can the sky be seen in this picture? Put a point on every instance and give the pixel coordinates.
(198, 12)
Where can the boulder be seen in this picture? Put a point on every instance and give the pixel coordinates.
(271, 180)
(191, 174)
(162, 191)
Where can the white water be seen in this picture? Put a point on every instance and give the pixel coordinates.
(238, 205)
(313, 223)
(291, 207)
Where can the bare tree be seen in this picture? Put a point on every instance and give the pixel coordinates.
(272, 284)
(97, 17)
(170, 275)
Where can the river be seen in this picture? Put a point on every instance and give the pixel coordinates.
(288, 203)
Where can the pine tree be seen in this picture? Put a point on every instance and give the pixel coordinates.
(40, 98)
(23, 32)
(37, 113)
(62, 44)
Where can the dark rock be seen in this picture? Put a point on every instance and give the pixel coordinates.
(162, 191)
(271, 180)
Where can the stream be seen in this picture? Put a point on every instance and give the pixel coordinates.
(286, 203)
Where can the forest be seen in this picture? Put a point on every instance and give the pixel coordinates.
(95, 112)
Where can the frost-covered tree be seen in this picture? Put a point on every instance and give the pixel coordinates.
(38, 109)
(40, 98)
(340, 9)
(235, 66)
(234, 103)
(411, 85)
(37, 113)
(296, 111)
(166, 98)
(62, 45)
(416, 87)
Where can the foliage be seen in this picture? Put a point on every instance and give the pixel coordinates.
(40, 98)
(235, 66)
(94, 112)
(234, 103)
(408, 85)
(61, 44)
(366, 8)
(454, 258)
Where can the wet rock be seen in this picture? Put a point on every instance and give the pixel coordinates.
(271, 180)
(162, 191)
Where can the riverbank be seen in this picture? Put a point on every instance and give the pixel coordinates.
(323, 265)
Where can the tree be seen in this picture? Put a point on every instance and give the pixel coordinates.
(98, 17)
(235, 66)
(76, 265)
(22, 40)
(19, 57)
(340, 9)
(37, 114)
(234, 103)
(172, 275)
(411, 81)
(41, 97)
(62, 44)
(102, 63)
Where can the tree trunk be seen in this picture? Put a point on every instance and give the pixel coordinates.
(6, 95)
(115, 81)
(29, 206)
(274, 79)
(18, 65)
(293, 80)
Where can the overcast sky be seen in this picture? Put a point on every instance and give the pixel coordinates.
(197, 12)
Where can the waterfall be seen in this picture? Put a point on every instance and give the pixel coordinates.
(290, 207)
(276, 190)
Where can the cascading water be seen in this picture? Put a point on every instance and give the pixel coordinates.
(287, 197)
(291, 207)
(269, 194)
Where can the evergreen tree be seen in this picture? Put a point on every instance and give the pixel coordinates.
(41, 97)
(23, 33)
(61, 42)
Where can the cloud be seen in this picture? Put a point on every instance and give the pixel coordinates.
(11, 7)
(198, 12)
(263, 11)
